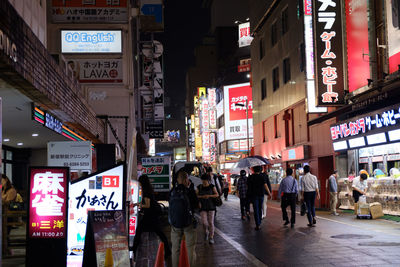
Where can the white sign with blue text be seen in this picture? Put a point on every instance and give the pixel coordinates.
(77, 41)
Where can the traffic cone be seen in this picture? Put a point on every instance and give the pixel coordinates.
(183, 257)
(160, 256)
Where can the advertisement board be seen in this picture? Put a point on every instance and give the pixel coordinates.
(158, 170)
(89, 11)
(98, 191)
(74, 154)
(198, 142)
(357, 44)
(244, 34)
(329, 78)
(393, 33)
(206, 146)
(97, 70)
(220, 108)
(309, 54)
(91, 41)
(235, 115)
(47, 215)
(221, 134)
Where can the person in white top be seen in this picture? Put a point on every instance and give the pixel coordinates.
(359, 186)
(309, 190)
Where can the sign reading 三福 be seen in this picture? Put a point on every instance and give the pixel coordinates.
(329, 55)
(48, 202)
(91, 41)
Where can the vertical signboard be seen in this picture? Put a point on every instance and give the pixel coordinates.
(393, 33)
(309, 57)
(158, 170)
(212, 102)
(328, 52)
(47, 220)
(357, 44)
(244, 34)
(235, 111)
(99, 191)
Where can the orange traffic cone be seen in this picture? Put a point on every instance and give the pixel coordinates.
(183, 257)
(160, 256)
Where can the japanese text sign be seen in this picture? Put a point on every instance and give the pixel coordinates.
(235, 111)
(99, 191)
(74, 154)
(329, 55)
(158, 170)
(89, 11)
(244, 34)
(97, 70)
(48, 202)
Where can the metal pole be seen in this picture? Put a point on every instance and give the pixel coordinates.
(247, 122)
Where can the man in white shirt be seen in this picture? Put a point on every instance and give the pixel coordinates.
(359, 186)
(309, 190)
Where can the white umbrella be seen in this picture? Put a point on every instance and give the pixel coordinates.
(246, 164)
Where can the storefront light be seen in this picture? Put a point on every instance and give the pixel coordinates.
(20, 144)
(376, 138)
(6, 140)
(339, 145)
(35, 134)
(394, 135)
(357, 142)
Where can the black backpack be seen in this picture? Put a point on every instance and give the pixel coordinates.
(179, 211)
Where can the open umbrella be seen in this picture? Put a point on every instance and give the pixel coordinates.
(248, 162)
(260, 158)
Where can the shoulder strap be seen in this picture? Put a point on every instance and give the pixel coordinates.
(294, 181)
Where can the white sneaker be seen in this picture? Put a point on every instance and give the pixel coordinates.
(211, 241)
(206, 237)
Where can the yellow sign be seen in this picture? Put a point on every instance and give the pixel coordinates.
(196, 102)
(192, 121)
(197, 127)
(199, 146)
(202, 92)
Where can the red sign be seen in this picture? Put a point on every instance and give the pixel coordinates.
(237, 102)
(48, 197)
(110, 181)
(357, 44)
(244, 68)
(132, 225)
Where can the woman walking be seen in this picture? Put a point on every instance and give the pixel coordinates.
(149, 221)
(205, 193)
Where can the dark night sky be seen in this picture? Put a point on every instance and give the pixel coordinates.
(186, 23)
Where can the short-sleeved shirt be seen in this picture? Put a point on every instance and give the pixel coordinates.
(359, 184)
(309, 183)
(255, 184)
(206, 204)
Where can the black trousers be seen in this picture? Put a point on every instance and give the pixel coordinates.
(226, 191)
(289, 199)
(244, 206)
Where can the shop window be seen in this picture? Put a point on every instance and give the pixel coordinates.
(275, 79)
(263, 89)
(261, 47)
(285, 21)
(274, 33)
(286, 70)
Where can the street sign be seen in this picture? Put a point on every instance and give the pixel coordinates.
(155, 129)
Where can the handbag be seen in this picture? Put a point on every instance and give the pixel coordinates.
(303, 209)
(217, 201)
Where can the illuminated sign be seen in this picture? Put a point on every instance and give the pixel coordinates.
(309, 57)
(75, 41)
(158, 169)
(357, 44)
(76, 155)
(48, 202)
(235, 111)
(393, 33)
(201, 92)
(99, 191)
(357, 142)
(97, 70)
(89, 11)
(297, 153)
(244, 34)
(198, 143)
(220, 108)
(205, 118)
(206, 146)
(221, 134)
(8, 47)
(339, 145)
(329, 55)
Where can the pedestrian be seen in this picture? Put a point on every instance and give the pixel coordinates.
(255, 191)
(213, 179)
(287, 191)
(242, 194)
(333, 192)
(225, 190)
(266, 179)
(149, 222)
(309, 190)
(359, 186)
(8, 192)
(182, 204)
(205, 193)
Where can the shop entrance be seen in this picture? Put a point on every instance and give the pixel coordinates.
(325, 169)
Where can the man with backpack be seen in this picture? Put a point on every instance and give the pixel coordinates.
(182, 203)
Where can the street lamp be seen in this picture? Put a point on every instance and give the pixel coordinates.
(247, 123)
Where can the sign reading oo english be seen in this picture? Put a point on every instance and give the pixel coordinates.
(75, 41)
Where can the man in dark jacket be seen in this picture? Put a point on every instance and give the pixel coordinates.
(242, 194)
(256, 186)
(183, 185)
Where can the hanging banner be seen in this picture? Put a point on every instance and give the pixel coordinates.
(244, 34)
(328, 52)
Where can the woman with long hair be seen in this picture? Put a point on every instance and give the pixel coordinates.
(149, 221)
(205, 193)
(8, 192)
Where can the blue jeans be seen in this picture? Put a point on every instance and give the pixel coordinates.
(257, 207)
(309, 198)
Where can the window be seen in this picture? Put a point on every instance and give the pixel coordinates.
(286, 70)
(263, 89)
(274, 33)
(265, 130)
(275, 79)
(302, 55)
(276, 134)
(261, 46)
(285, 21)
